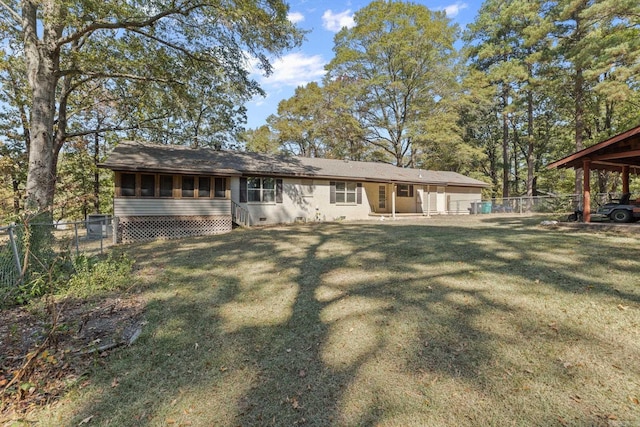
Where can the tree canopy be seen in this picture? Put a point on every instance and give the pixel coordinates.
(152, 67)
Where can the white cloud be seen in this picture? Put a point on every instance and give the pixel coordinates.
(453, 9)
(295, 17)
(336, 21)
(295, 69)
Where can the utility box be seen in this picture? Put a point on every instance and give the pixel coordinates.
(98, 225)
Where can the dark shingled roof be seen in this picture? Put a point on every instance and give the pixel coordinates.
(139, 157)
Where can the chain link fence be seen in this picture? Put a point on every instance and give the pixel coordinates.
(566, 203)
(90, 237)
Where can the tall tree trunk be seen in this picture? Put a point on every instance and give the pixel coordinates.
(530, 142)
(42, 63)
(579, 122)
(505, 142)
(96, 174)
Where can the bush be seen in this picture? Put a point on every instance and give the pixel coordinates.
(94, 276)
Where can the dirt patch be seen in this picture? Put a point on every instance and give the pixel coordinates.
(48, 349)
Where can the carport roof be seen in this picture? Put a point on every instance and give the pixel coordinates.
(141, 156)
(612, 154)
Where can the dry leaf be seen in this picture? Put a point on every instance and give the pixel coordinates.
(634, 399)
(622, 307)
(302, 373)
(86, 420)
(114, 383)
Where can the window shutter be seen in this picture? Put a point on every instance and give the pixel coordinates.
(411, 191)
(243, 190)
(359, 193)
(278, 191)
(332, 192)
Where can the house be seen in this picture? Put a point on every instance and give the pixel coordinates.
(164, 191)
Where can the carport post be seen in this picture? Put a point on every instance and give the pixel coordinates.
(393, 201)
(625, 178)
(586, 197)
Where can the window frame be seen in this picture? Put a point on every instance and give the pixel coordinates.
(198, 189)
(260, 193)
(135, 184)
(160, 188)
(346, 192)
(405, 190)
(173, 187)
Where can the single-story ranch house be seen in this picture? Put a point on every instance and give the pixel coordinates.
(165, 191)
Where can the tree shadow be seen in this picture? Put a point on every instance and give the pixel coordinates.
(358, 324)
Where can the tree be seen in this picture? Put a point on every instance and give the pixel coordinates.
(125, 45)
(397, 67)
(299, 122)
(597, 45)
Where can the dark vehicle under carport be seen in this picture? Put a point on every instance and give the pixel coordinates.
(623, 210)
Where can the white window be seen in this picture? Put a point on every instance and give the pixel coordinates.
(261, 190)
(345, 192)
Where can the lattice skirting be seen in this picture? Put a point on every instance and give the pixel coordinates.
(138, 228)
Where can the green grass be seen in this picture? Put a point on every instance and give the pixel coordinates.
(467, 321)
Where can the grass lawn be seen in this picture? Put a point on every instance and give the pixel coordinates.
(464, 321)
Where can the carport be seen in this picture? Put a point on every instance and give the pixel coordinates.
(620, 153)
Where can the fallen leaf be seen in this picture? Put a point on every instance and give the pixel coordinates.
(302, 373)
(86, 420)
(223, 369)
(622, 307)
(114, 383)
(170, 421)
(634, 399)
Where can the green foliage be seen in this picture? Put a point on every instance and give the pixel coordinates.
(93, 276)
(396, 71)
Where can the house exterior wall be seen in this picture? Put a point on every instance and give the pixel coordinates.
(153, 218)
(126, 207)
(406, 204)
(452, 200)
(302, 200)
(459, 199)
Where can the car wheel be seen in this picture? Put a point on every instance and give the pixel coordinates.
(621, 215)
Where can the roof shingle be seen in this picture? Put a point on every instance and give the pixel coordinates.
(138, 156)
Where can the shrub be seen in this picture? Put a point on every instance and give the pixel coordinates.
(94, 276)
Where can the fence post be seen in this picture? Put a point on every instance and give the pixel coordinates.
(75, 228)
(114, 224)
(520, 205)
(16, 256)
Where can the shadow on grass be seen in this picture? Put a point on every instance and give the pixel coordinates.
(370, 324)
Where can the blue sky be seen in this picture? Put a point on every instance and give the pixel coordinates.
(323, 19)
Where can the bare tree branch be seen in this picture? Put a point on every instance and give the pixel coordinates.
(127, 25)
(15, 15)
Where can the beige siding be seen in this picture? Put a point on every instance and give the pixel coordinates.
(303, 200)
(124, 207)
(460, 198)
